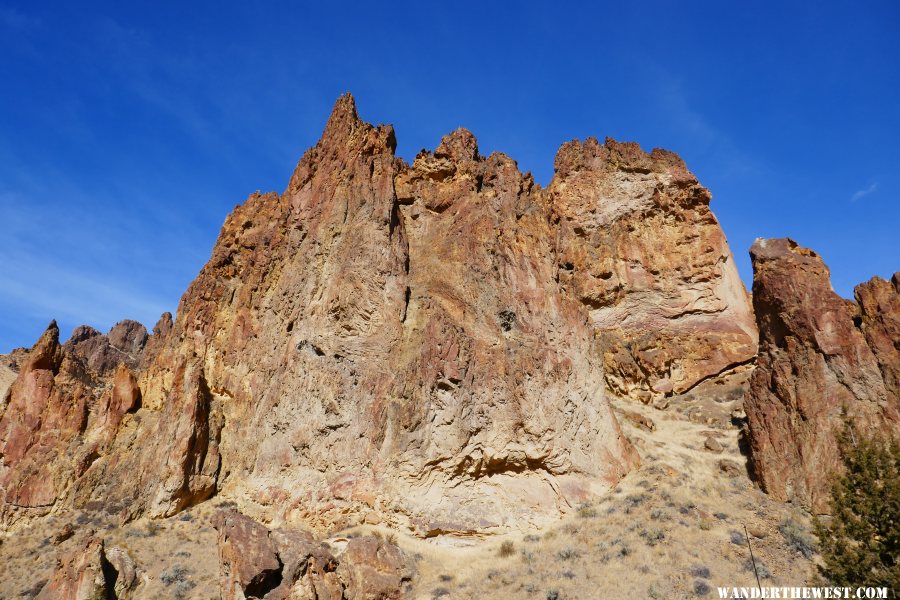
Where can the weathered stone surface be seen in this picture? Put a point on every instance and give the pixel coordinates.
(414, 345)
(281, 564)
(83, 574)
(103, 353)
(250, 566)
(814, 363)
(62, 416)
(373, 569)
(879, 308)
(640, 249)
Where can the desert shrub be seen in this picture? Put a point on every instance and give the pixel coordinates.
(567, 554)
(181, 589)
(391, 538)
(761, 569)
(440, 592)
(700, 571)
(554, 595)
(653, 536)
(568, 574)
(633, 501)
(153, 528)
(659, 514)
(532, 538)
(860, 545)
(701, 587)
(173, 575)
(586, 511)
(507, 549)
(797, 538)
(445, 578)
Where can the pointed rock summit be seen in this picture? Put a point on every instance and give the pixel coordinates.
(425, 346)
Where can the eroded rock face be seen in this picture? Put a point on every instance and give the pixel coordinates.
(62, 416)
(416, 345)
(91, 571)
(289, 563)
(640, 249)
(124, 344)
(389, 339)
(819, 355)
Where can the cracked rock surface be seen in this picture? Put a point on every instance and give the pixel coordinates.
(424, 346)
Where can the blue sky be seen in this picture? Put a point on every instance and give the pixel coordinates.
(129, 130)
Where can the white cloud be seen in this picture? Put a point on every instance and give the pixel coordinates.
(863, 193)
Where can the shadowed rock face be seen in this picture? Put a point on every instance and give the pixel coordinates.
(819, 355)
(419, 345)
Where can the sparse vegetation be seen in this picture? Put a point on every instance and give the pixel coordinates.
(700, 571)
(860, 545)
(507, 549)
(701, 587)
(567, 554)
(653, 536)
(797, 538)
(174, 574)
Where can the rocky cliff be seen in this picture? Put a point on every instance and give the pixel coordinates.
(641, 250)
(819, 357)
(425, 345)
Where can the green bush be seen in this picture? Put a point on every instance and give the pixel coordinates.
(861, 542)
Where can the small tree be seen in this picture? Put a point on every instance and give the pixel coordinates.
(860, 544)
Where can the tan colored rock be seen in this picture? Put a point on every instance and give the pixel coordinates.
(373, 569)
(814, 363)
(420, 345)
(640, 249)
(639, 420)
(81, 575)
(713, 445)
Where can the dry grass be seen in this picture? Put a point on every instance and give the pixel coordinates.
(664, 532)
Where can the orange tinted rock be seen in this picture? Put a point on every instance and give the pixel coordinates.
(814, 363)
(640, 249)
(83, 573)
(419, 345)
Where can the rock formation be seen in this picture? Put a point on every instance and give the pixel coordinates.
(92, 571)
(820, 355)
(417, 345)
(258, 563)
(640, 249)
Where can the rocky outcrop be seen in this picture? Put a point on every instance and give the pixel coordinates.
(820, 356)
(416, 345)
(92, 571)
(124, 344)
(63, 413)
(640, 249)
(258, 563)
